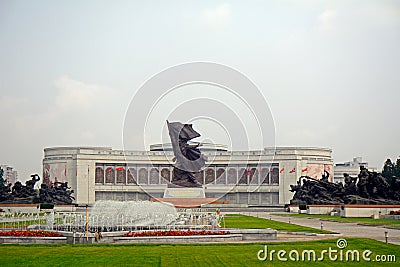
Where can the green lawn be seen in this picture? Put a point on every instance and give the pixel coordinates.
(183, 255)
(249, 222)
(370, 221)
(17, 224)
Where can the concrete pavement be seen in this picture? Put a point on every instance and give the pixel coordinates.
(346, 229)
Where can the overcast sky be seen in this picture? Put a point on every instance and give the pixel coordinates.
(328, 69)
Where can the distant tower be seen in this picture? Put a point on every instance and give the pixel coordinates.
(10, 175)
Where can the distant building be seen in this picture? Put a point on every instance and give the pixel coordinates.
(352, 168)
(253, 178)
(10, 175)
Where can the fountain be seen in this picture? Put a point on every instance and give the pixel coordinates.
(127, 222)
(111, 216)
(121, 215)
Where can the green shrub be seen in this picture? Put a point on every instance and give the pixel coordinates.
(46, 206)
(303, 207)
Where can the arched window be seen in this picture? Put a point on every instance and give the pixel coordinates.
(210, 175)
(242, 176)
(264, 176)
(253, 175)
(121, 173)
(110, 175)
(143, 176)
(153, 176)
(99, 175)
(132, 176)
(232, 176)
(221, 178)
(275, 176)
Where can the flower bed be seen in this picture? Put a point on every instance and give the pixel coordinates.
(175, 233)
(28, 233)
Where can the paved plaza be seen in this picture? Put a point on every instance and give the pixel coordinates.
(345, 229)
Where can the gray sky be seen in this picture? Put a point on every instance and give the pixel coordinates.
(328, 69)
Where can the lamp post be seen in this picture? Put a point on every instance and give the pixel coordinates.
(88, 185)
(87, 223)
(87, 208)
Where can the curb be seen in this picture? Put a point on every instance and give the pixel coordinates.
(310, 234)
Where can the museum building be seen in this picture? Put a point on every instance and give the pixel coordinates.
(244, 178)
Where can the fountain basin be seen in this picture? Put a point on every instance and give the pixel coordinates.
(179, 239)
(256, 234)
(32, 240)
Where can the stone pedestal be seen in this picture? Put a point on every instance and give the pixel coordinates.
(186, 197)
(184, 193)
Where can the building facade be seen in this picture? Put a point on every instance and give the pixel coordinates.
(9, 174)
(352, 168)
(254, 178)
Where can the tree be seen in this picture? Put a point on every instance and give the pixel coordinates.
(4, 188)
(397, 168)
(388, 170)
(3, 182)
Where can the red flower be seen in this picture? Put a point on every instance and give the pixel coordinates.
(29, 233)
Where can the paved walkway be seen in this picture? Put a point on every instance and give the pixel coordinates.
(346, 229)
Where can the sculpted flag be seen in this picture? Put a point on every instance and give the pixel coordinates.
(181, 133)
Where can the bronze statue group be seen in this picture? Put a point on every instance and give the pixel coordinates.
(57, 193)
(367, 188)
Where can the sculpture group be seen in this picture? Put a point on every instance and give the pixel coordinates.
(57, 193)
(368, 188)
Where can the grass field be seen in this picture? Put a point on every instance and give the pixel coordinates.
(369, 221)
(249, 222)
(184, 255)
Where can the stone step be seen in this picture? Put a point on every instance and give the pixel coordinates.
(188, 202)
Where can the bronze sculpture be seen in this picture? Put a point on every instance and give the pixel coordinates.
(188, 158)
(57, 193)
(368, 188)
